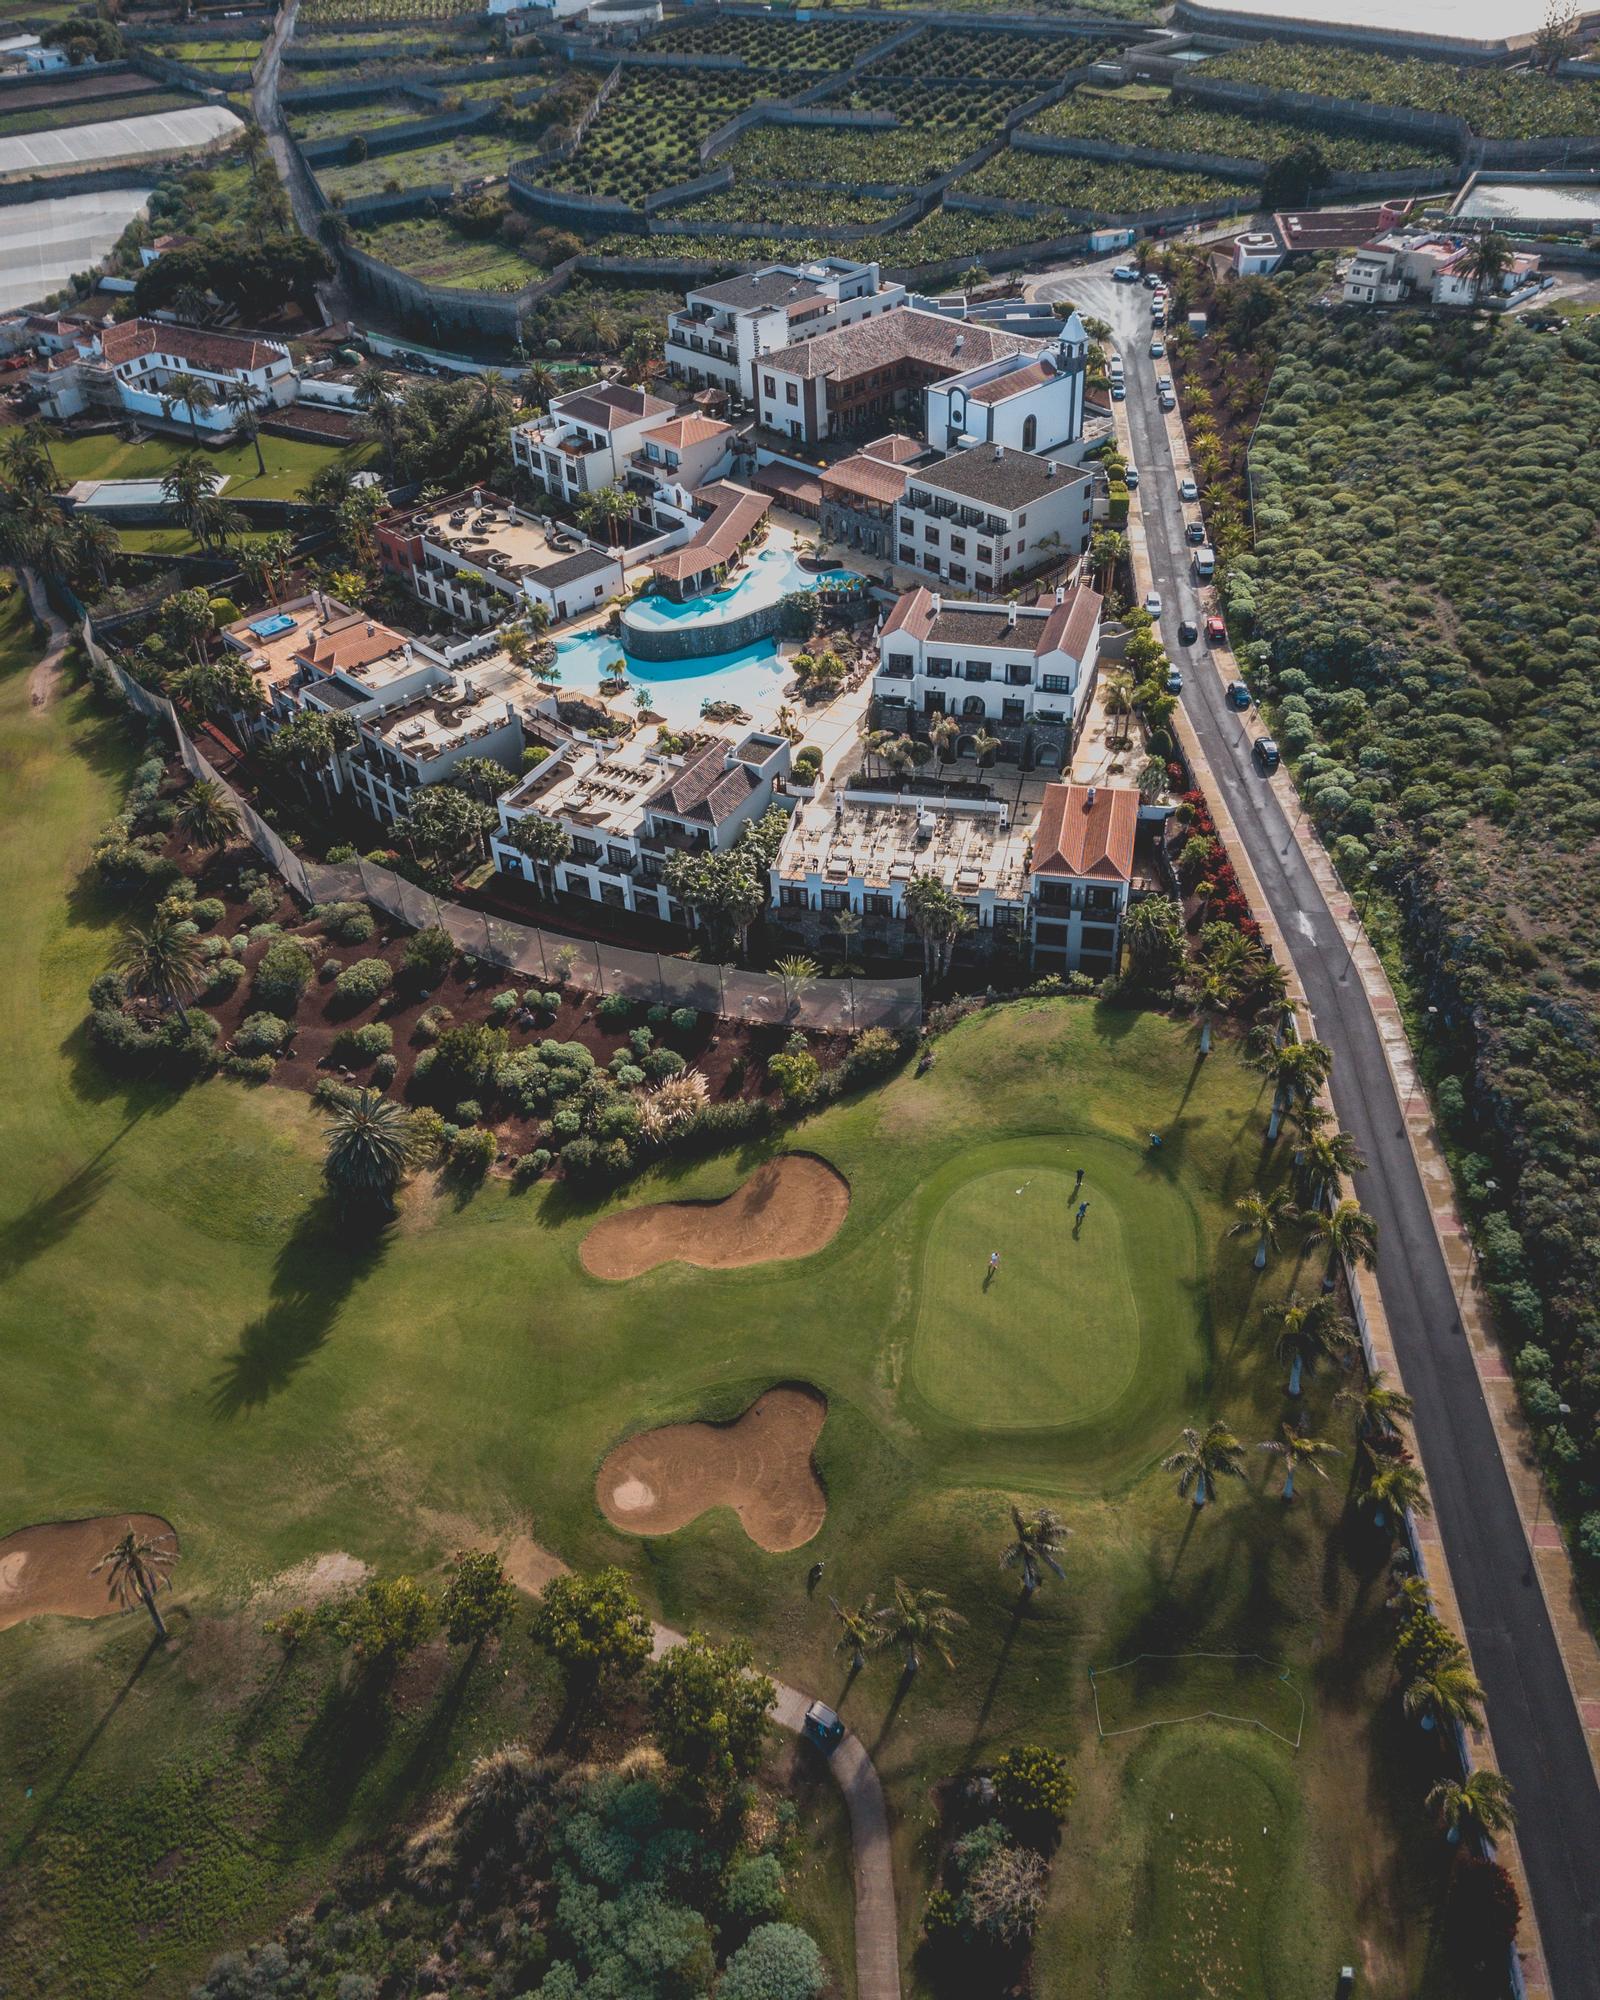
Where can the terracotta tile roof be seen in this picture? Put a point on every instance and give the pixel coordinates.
(606, 404)
(216, 353)
(1014, 384)
(1066, 627)
(350, 642)
(1071, 625)
(905, 334)
(707, 789)
(684, 431)
(896, 449)
(735, 513)
(865, 478)
(1086, 831)
(788, 482)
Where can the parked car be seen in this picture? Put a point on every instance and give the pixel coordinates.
(1156, 350)
(1266, 754)
(823, 1727)
(1187, 490)
(1158, 314)
(1194, 532)
(1238, 695)
(1174, 682)
(1152, 603)
(1167, 400)
(1188, 631)
(1130, 479)
(1151, 280)
(1118, 393)
(1216, 630)
(1164, 384)
(1126, 274)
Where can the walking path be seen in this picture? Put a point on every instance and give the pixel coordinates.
(1541, 1673)
(877, 1927)
(45, 678)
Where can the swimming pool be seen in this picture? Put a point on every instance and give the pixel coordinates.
(771, 576)
(753, 676)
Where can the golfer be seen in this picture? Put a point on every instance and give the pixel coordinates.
(994, 1262)
(1078, 1183)
(1083, 1210)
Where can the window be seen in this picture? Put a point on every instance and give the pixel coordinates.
(1096, 937)
(1056, 684)
(938, 667)
(835, 899)
(977, 670)
(958, 545)
(879, 906)
(1050, 934)
(1030, 433)
(907, 555)
(958, 572)
(1022, 522)
(930, 535)
(1100, 901)
(770, 385)
(791, 897)
(791, 393)
(898, 666)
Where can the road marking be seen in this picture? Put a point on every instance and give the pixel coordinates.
(1306, 927)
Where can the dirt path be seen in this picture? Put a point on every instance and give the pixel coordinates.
(45, 680)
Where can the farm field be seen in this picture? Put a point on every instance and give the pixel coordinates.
(1105, 187)
(191, 1337)
(646, 138)
(752, 202)
(462, 157)
(776, 45)
(991, 53)
(427, 247)
(340, 120)
(290, 461)
(93, 111)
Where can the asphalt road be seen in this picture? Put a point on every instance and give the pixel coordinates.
(1538, 1737)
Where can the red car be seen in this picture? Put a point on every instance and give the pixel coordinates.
(1216, 631)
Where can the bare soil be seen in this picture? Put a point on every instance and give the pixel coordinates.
(759, 1465)
(46, 1568)
(788, 1208)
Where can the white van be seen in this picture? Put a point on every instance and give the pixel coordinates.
(1205, 562)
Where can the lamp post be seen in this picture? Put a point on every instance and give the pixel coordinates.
(1564, 1410)
(1433, 1015)
(1361, 919)
(1489, 1188)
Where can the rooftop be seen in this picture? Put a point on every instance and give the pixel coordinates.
(600, 786)
(866, 478)
(1066, 625)
(685, 431)
(905, 334)
(478, 699)
(275, 641)
(998, 476)
(735, 512)
(1015, 382)
(715, 780)
(216, 353)
(763, 289)
(605, 404)
(883, 846)
(1087, 831)
(896, 449)
(487, 532)
(1330, 228)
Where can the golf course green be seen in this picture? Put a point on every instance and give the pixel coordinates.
(190, 1333)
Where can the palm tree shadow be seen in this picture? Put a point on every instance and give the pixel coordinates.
(1188, 1529)
(50, 1218)
(1018, 1610)
(315, 1271)
(902, 1689)
(59, 1789)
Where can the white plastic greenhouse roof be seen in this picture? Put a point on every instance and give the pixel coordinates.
(117, 139)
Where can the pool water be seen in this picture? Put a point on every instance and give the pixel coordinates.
(773, 574)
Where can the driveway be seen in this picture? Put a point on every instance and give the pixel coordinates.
(1538, 1737)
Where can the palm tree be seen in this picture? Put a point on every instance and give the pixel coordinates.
(25, 458)
(496, 398)
(1478, 1804)
(537, 384)
(1380, 1410)
(1035, 1547)
(1394, 1486)
(1446, 1691)
(1328, 1159)
(194, 394)
(161, 962)
(546, 843)
(1310, 1330)
(93, 545)
(1215, 995)
(938, 917)
(847, 925)
(1117, 699)
(942, 733)
(597, 331)
(136, 1567)
(242, 401)
(1350, 1234)
(371, 1143)
(1204, 1457)
(1296, 1449)
(376, 394)
(918, 1618)
(1297, 1069)
(1486, 261)
(207, 814)
(1265, 1215)
(797, 972)
(859, 1634)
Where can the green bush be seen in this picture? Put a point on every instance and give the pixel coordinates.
(248, 1069)
(614, 1009)
(208, 910)
(1033, 1787)
(222, 976)
(472, 1153)
(777, 1962)
(428, 955)
(259, 1034)
(263, 902)
(685, 1020)
(752, 1892)
(367, 980)
(530, 1166)
(469, 1112)
(873, 1054)
(430, 1024)
(384, 1070)
(282, 976)
(503, 1006)
(364, 1044)
(662, 1063)
(345, 923)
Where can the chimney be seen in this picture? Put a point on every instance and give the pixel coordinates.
(1011, 618)
(1061, 593)
(406, 649)
(1049, 468)
(999, 453)
(371, 628)
(1091, 795)
(936, 604)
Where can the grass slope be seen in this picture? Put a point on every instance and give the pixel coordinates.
(188, 1335)
(290, 461)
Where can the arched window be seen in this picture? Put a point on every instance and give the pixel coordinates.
(1030, 433)
(973, 705)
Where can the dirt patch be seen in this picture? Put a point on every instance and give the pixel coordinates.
(759, 1465)
(788, 1208)
(317, 1579)
(46, 1569)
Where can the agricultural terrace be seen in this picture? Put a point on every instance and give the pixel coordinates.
(212, 57)
(1168, 124)
(192, 1335)
(1116, 10)
(953, 237)
(93, 111)
(427, 247)
(648, 136)
(462, 156)
(338, 121)
(329, 13)
(1497, 104)
(756, 204)
(776, 45)
(1105, 187)
(1030, 60)
(940, 126)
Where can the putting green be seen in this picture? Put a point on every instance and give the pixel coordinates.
(1078, 1322)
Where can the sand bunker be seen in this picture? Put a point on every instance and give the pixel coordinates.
(759, 1465)
(47, 1568)
(789, 1208)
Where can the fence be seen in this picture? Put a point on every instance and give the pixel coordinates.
(837, 1005)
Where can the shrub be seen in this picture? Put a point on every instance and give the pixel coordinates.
(503, 1006)
(346, 923)
(777, 1962)
(1033, 1787)
(431, 1024)
(329, 1094)
(248, 1069)
(262, 902)
(796, 1072)
(752, 1892)
(469, 1112)
(1589, 1535)
(614, 1009)
(472, 1153)
(384, 1069)
(282, 976)
(362, 983)
(685, 1020)
(109, 989)
(364, 1044)
(208, 910)
(873, 1054)
(428, 955)
(329, 970)
(169, 1047)
(529, 1166)
(629, 1076)
(662, 1063)
(259, 1034)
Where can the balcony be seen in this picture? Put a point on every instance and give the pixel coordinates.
(695, 343)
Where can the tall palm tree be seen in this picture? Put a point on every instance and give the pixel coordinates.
(161, 961)
(1038, 1541)
(797, 973)
(1478, 1804)
(1445, 1693)
(859, 1632)
(1216, 994)
(1350, 1234)
(377, 394)
(847, 926)
(1327, 1159)
(93, 546)
(26, 461)
(1296, 1449)
(1263, 1215)
(207, 814)
(495, 398)
(537, 384)
(916, 1618)
(1117, 700)
(1311, 1330)
(984, 745)
(546, 843)
(136, 1568)
(1380, 1410)
(242, 401)
(1204, 1457)
(1487, 260)
(370, 1145)
(194, 394)
(942, 733)
(1394, 1486)
(597, 331)
(1297, 1069)
(189, 486)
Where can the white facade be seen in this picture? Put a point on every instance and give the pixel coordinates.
(1000, 665)
(482, 559)
(131, 367)
(1436, 268)
(984, 517)
(1256, 254)
(586, 438)
(715, 341)
(1029, 402)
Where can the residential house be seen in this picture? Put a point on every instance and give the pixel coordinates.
(1256, 254)
(129, 368)
(1437, 269)
(983, 518)
(483, 559)
(840, 383)
(626, 807)
(1080, 876)
(725, 328)
(585, 439)
(1023, 673)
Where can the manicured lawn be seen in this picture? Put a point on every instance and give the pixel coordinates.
(290, 462)
(188, 1334)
